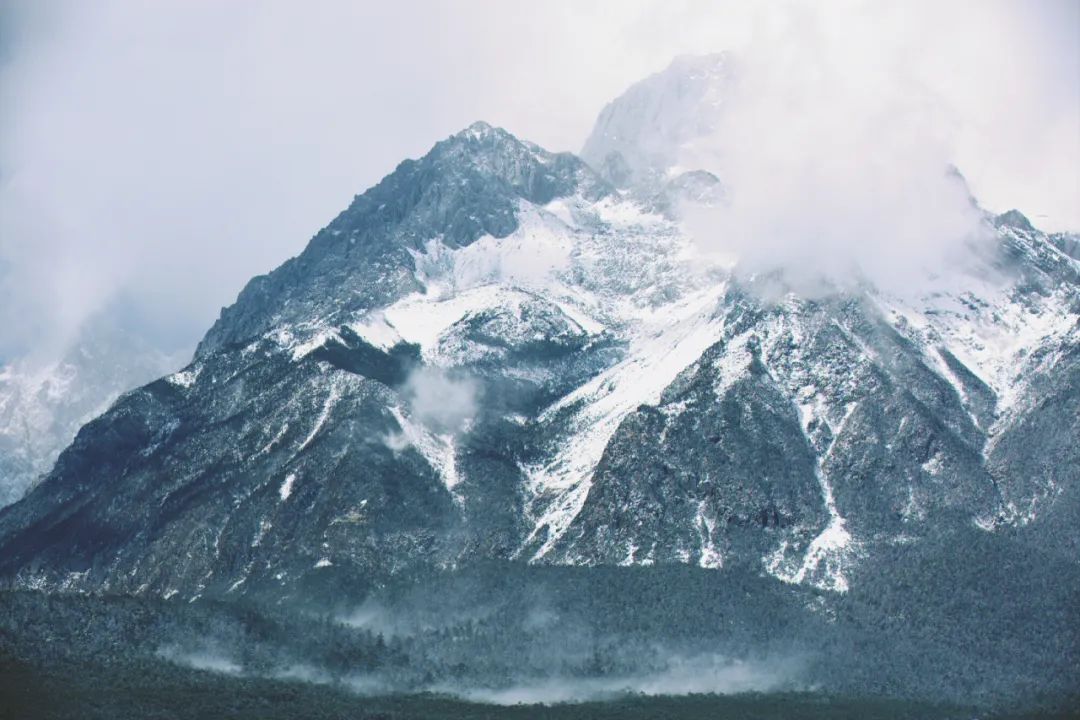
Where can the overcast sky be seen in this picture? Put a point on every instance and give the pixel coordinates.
(154, 156)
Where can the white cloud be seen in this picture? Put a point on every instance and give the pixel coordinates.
(835, 161)
(167, 152)
(442, 402)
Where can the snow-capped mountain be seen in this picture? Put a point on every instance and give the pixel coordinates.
(504, 357)
(502, 353)
(44, 403)
(494, 353)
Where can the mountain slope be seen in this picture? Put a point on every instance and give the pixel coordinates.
(43, 404)
(497, 358)
(467, 187)
(555, 379)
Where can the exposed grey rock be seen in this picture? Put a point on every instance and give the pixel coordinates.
(420, 390)
(468, 186)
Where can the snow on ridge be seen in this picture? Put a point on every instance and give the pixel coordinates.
(659, 350)
(987, 328)
(422, 319)
(302, 339)
(332, 397)
(535, 260)
(545, 257)
(615, 268)
(490, 273)
(439, 450)
(539, 248)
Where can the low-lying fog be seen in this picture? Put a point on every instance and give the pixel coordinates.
(701, 674)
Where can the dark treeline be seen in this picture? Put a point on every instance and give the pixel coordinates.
(601, 632)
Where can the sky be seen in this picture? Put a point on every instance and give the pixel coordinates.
(155, 156)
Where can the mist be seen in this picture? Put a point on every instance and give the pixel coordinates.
(556, 659)
(441, 401)
(205, 657)
(155, 157)
(703, 674)
(837, 152)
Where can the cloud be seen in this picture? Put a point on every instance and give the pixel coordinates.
(373, 616)
(994, 84)
(206, 657)
(442, 402)
(836, 161)
(159, 155)
(169, 152)
(711, 674)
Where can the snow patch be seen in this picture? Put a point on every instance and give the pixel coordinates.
(706, 526)
(287, 487)
(822, 565)
(264, 527)
(376, 330)
(439, 451)
(273, 441)
(332, 397)
(185, 378)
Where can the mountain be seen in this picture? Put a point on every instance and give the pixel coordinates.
(501, 355)
(44, 403)
(659, 128)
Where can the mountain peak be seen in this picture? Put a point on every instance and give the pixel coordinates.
(468, 185)
(480, 141)
(479, 129)
(481, 132)
(1014, 219)
(647, 131)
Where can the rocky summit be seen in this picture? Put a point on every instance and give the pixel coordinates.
(504, 355)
